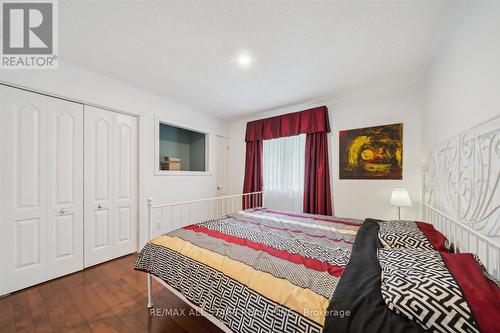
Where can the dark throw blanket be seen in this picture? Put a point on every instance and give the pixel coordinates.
(357, 304)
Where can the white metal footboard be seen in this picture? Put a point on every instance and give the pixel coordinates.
(163, 218)
(170, 216)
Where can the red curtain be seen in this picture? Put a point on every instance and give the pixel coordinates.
(313, 122)
(303, 122)
(253, 175)
(317, 197)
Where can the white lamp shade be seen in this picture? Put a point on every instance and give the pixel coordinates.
(400, 198)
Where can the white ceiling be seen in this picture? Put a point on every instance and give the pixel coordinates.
(303, 50)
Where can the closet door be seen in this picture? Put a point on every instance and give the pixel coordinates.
(42, 150)
(98, 186)
(110, 185)
(24, 187)
(126, 189)
(65, 187)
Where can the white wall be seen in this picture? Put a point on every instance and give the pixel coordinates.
(357, 198)
(462, 86)
(76, 83)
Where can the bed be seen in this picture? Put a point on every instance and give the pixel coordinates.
(262, 270)
(257, 269)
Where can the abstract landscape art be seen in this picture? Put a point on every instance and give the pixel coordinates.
(371, 152)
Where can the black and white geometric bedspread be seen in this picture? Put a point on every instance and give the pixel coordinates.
(403, 234)
(418, 285)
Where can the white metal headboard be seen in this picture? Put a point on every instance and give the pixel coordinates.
(461, 191)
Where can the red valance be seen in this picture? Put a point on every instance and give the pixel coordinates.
(304, 122)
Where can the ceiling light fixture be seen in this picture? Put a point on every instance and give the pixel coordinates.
(244, 60)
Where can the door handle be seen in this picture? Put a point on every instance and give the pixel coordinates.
(100, 206)
(62, 210)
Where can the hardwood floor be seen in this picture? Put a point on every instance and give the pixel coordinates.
(110, 297)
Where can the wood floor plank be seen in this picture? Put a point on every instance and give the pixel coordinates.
(7, 320)
(22, 313)
(39, 313)
(110, 297)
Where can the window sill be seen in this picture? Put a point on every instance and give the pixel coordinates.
(182, 173)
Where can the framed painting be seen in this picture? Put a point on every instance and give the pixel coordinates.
(371, 152)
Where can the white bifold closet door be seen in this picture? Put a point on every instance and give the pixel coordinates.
(41, 192)
(110, 185)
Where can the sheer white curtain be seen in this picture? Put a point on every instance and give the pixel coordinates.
(283, 163)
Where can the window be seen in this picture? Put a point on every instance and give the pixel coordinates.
(283, 168)
(181, 149)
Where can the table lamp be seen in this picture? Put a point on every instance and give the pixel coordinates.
(400, 198)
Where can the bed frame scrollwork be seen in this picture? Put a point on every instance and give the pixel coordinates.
(461, 191)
